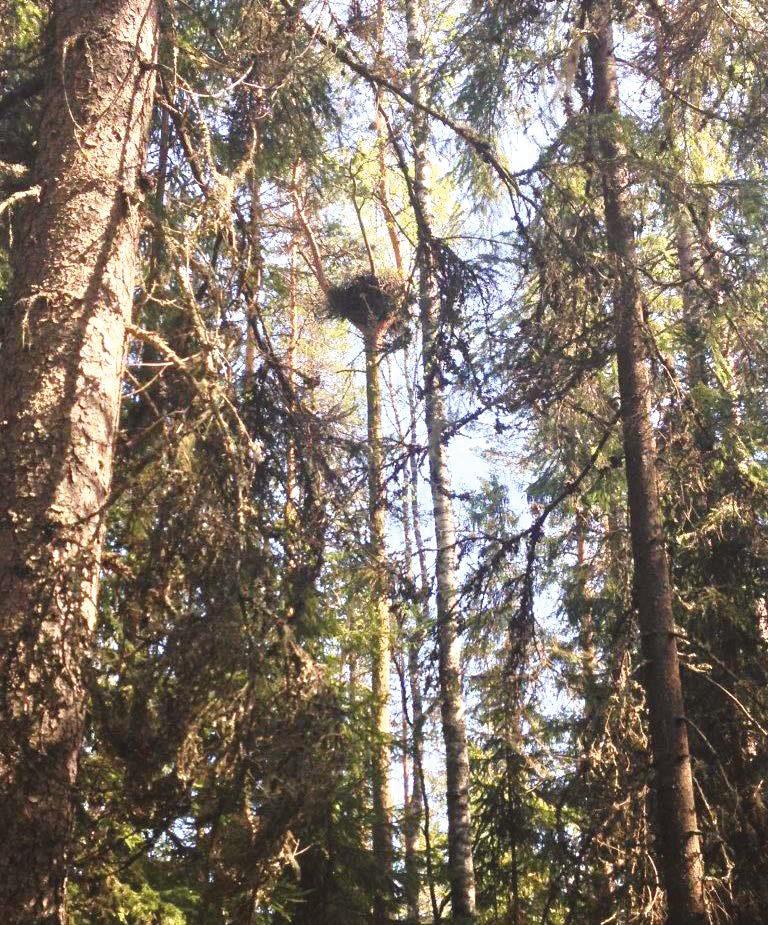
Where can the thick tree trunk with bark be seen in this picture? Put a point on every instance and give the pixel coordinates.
(677, 825)
(60, 364)
(460, 861)
(380, 617)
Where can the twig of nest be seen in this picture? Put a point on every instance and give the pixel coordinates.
(369, 302)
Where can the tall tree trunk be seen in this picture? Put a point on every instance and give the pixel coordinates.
(255, 263)
(460, 861)
(413, 798)
(691, 270)
(381, 143)
(586, 626)
(417, 811)
(60, 366)
(372, 333)
(380, 617)
(593, 717)
(678, 829)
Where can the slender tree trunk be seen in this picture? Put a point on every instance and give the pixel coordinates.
(162, 182)
(291, 488)
(695, 343)
(413, 809)
(586, 626)
(380, 618)
(413, 799)
(692, 290)
(512, 748)
(60, 366)
(372, 334)
(677, 822)
(419, 805)
(256, 266)
(460, 861)
(381, 144)
(593, 719)
(294, 578)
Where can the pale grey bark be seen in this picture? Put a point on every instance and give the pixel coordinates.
(417, 814)
(414, 808)
(460, 860)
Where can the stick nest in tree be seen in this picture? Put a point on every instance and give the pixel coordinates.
(369, 300)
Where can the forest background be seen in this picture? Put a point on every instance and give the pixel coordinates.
(383, 473)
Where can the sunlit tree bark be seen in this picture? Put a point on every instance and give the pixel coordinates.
(676, 818)
(460, 862)
(61, 358)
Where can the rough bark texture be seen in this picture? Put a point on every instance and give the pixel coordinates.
(60, 363)
(380, 617)
(460, 861)
(678, 833)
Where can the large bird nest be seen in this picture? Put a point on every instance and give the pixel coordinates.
(370, 301)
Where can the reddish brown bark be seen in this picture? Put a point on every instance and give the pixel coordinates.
(60, 364)
(678, 831)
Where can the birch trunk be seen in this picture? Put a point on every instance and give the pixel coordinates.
(419, 803)
(60, 366)
(677, 825)
(460, 861)
(413, 797)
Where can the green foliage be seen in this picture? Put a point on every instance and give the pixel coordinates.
(226, 776)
